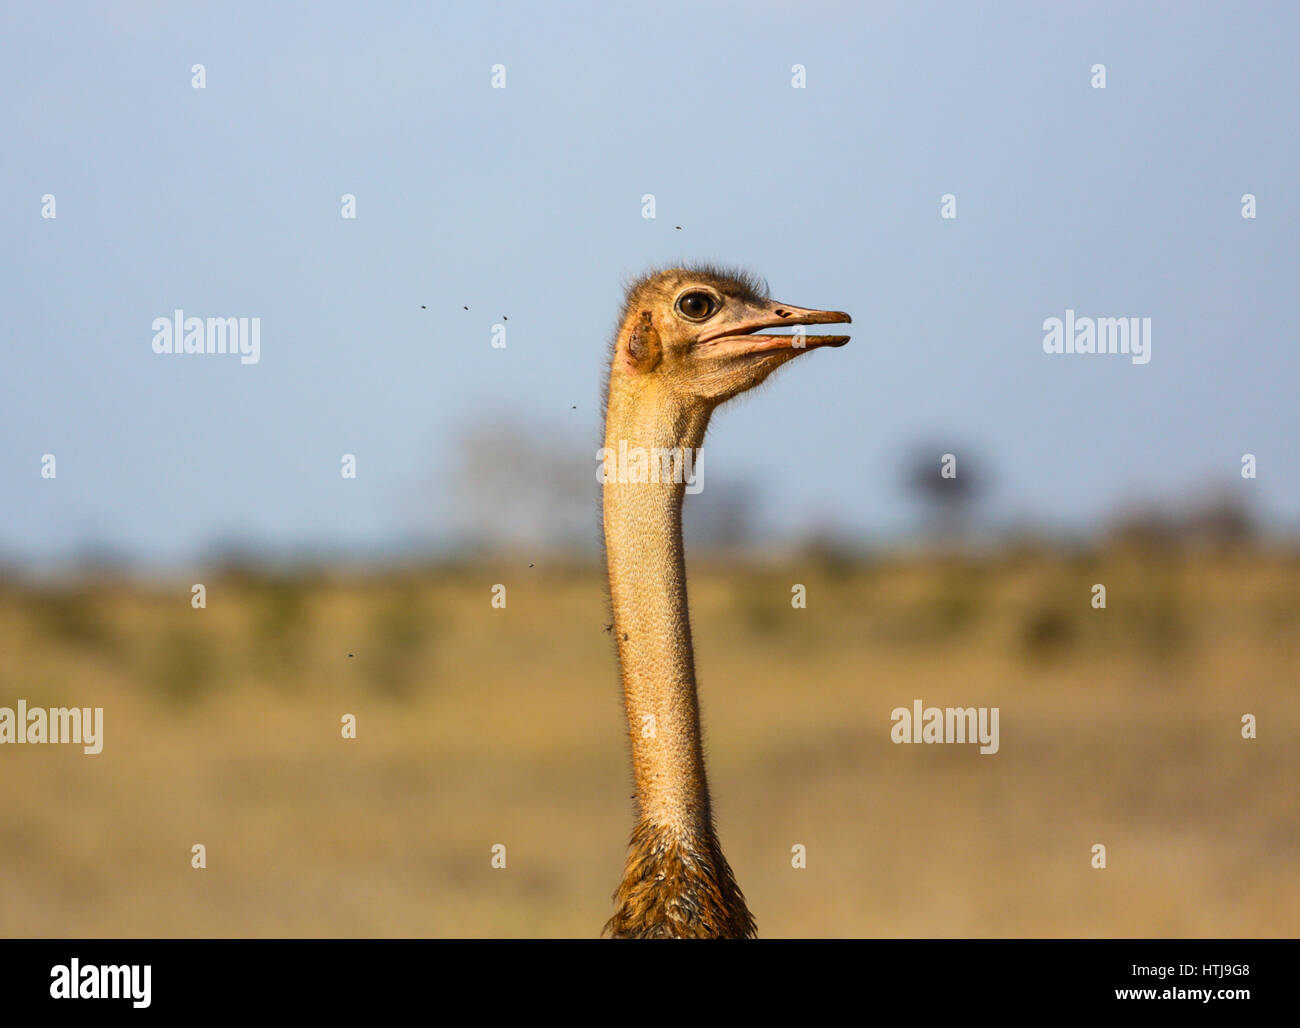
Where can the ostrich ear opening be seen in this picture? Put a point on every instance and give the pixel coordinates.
(643, 350)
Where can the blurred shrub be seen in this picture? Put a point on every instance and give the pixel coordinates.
(400, 633)
(184, 665)
(1047, 631)
(956, 607)
(70, 618)
(281, 627)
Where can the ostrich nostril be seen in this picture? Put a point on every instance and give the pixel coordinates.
(782, 314)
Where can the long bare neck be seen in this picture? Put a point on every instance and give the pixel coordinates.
(676, 883)
(647, 582)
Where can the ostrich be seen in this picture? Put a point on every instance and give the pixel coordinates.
(683, 347)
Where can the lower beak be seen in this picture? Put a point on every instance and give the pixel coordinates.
(737, 338)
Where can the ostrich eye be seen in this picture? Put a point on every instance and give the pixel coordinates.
(696, 305)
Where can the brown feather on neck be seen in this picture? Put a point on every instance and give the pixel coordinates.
(678, 888)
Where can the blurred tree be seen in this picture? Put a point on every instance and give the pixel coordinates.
(525, 487)
(534, 488)
(1221, 517)
(947, 481)
(1215, 517)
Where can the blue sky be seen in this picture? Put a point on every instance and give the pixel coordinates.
(526, 202)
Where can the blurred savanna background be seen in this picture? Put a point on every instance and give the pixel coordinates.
(479, 726)
(509, 170)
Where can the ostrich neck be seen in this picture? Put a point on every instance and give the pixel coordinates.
(647, 581)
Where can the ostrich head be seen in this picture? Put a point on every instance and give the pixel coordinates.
(687, 335)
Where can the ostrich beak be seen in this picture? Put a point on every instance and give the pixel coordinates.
(735, 336)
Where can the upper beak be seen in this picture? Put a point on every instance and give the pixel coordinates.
(735, 337)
